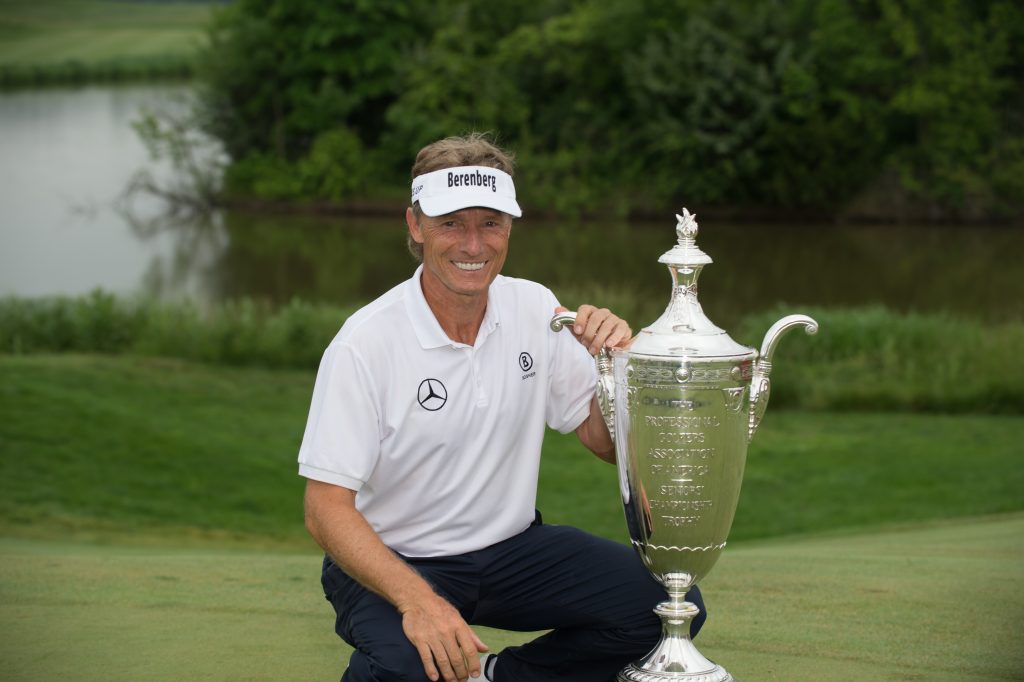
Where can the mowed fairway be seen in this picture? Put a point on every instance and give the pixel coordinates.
(90, 31)
(151, 525)
(942, 602)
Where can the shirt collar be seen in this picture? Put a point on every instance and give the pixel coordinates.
(428, 329)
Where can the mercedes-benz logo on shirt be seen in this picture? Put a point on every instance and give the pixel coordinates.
(525, 361)
(432, 395)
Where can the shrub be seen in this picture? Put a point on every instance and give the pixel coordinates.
(861, 359)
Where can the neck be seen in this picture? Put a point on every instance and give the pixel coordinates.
(459, 315)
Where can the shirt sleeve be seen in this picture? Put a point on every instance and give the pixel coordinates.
(572, 381)
(341, 443)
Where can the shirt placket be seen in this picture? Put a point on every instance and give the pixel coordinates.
(480, 392)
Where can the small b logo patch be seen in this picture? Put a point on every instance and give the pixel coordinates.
(525, 361)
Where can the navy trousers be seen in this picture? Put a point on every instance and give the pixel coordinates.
(593, 594)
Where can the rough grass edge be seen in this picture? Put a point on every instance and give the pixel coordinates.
(867, 358)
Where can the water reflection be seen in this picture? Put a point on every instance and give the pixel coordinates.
(317, 258)
(198, 241)
(344, 259)
(69, 154)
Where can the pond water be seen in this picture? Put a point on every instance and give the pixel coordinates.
(68, 155)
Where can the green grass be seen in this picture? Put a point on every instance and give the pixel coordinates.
(874, 358)
(150, 528)
(238, 332)
(938, 603)
(119, 447)
(91, 445)
(74, 40)
(866, 359)
(813, 472)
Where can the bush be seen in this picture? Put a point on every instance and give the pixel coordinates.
(241, 332)
(861, 359)
(877, 359)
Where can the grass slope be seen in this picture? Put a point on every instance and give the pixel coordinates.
(93, 446)
(941, 603)
(61, 40)
(111, 448)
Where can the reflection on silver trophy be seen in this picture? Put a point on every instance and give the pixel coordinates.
(682, 403)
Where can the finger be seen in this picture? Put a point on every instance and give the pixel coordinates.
(453, 664)
(620, 333)
(597, 329)
(561, 309)
(480, 646)
(614, 332)
(469, 642)
(472, 660)
(428, 661)
(582, 319)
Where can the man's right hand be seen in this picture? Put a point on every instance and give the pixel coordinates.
(448, 647)
(446, 644)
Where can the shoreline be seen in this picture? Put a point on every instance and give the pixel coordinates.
(743, 215)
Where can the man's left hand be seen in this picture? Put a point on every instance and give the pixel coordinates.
(598, 328)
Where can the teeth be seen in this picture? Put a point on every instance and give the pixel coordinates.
(468, 266)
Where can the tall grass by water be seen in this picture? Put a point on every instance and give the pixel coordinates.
(243, 332)
(862, 359)
(874, 359)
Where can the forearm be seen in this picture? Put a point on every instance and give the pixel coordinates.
(593, 433)
(343, 532)
(447, 646)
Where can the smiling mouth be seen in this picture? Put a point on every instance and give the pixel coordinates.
(468, 266)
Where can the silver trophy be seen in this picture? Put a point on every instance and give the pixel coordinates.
(682, 403)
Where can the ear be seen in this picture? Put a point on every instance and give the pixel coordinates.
(414, 227)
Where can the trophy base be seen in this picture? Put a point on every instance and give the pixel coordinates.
(634, 674)
(675, 658)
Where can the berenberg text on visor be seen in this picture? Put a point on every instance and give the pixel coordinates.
(469, 179)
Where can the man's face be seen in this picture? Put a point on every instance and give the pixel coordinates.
(462, 251)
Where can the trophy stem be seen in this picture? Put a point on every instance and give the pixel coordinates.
(675, 657)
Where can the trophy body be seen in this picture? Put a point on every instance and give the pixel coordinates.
(681, 447)
(682, 403)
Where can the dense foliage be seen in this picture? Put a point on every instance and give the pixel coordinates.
(873, 106)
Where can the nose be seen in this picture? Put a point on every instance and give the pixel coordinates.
(472, 240)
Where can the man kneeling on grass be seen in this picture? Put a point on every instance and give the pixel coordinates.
(422, 454)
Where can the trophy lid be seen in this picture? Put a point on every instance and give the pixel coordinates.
(686, 252)
(683, 330)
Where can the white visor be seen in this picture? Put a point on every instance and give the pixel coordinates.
(451, 189)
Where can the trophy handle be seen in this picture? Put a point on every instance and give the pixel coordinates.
(760, 385)
(605, 373)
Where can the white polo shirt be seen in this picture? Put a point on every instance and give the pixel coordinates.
(442, 440)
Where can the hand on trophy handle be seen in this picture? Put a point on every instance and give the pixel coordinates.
(599, 328)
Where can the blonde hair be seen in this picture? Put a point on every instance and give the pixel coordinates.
(474, 149)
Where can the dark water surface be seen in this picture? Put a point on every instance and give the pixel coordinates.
(973, 272)
(67, 155)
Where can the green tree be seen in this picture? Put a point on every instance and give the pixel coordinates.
(284, 78)
(619, 105)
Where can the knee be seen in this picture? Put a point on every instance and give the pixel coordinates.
(644, 635)
(391, 664)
